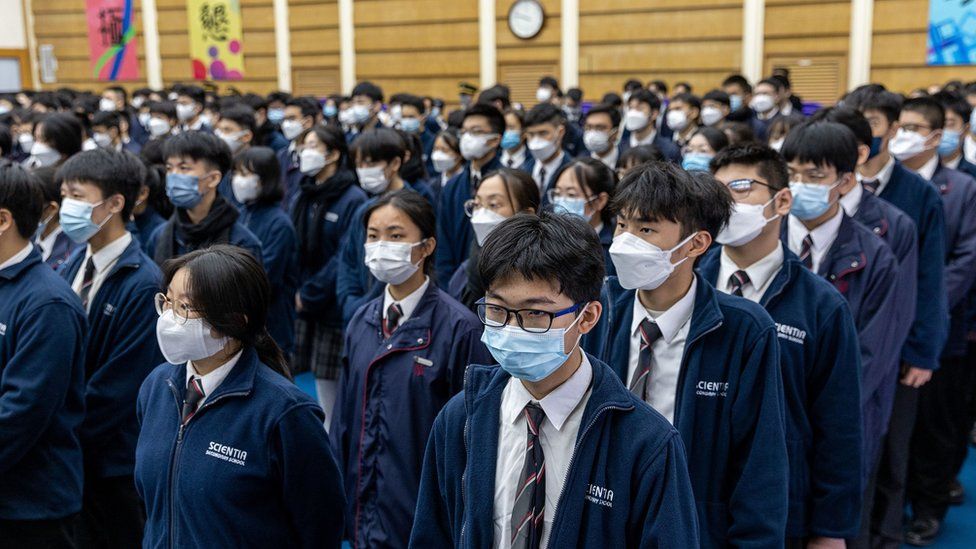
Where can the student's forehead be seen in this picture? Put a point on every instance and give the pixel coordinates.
(725, 174)
(515, 289)
(475, 121)
(911, 116)
(181, 160)
(797, 165)
(80, 185)
(388, 216)
(599, 118)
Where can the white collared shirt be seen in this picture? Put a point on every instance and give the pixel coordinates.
(516, 159)
(882, 177)
(610, 159)
(666, 352)
(22, 255)
(213, 379)
(104, 260)
(564, 408)
(649, 140)
(550, 167)
(46, 244)
(851, 201)
(761, 273)
(928, 169)
(823, 237)
(408, 304)
(953, 164)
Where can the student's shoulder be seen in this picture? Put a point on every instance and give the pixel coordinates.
(913, 184)
(281, 391)
(455, 312)
(355, 194)
(157, 380)
(240, 235)
(815, 289)
(894, 215)
(738, 311)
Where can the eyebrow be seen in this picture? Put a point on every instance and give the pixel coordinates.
(540, 300)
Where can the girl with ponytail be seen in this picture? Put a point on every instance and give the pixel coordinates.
(230, 452)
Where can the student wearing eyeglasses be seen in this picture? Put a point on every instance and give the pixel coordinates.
(405, 355)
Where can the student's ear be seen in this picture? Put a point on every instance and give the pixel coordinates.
(429, 246)
(560, 133)
(247, 137)
(863, 152)
(397, 163)
(782, 202)
(216, 180)
(848, 180)
(115, 203)
(590, 316)
(6, 220)
(143, 193)
(934, 139)
(601, 202)
(699, 244)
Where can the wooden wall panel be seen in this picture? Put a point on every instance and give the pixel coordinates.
(698, 41)
(542, 50)
(424, 47)
(63, 24)
(314, 26)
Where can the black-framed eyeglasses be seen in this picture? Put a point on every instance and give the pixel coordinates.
(531, 320)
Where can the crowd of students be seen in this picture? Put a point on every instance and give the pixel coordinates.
(654, 320)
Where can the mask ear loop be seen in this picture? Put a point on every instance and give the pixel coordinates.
(580, 338)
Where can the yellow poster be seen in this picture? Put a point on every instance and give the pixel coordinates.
(216, 39)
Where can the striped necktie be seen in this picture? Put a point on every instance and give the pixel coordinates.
(649, 333)
(737, 281)
(194, 394)
(86, 282)
(806, 252)
(528, 514)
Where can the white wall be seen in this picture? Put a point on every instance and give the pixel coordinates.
(12, 33)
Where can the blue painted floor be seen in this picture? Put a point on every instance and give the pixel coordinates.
(959, 531)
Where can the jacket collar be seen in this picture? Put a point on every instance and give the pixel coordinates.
(845, 255)
(710, 265)
(131, 258)
(421, 319)
(870, 214)
(14, 271)
(240, 380)
(704, 318)
(941, 180)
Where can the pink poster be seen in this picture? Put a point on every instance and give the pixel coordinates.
(111, 40)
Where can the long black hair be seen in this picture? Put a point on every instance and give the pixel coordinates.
(416, 207)
(230, 289)
(594, 177)
(262, 162)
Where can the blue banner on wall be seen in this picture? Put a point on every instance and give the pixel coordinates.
(952, 32)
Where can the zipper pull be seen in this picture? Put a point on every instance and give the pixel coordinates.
(179, 436)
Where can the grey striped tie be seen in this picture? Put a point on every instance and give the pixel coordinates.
(530, 501)
(649, 333)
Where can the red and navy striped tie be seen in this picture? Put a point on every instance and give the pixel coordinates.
(194, 394)
(528, 514)
(649, 333)
(806, 252)
(737, 281)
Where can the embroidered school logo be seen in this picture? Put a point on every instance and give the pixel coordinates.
(227, 453)
(109, 309)
(3, 329)
(599, 495)
(791, 333)
(711, 388)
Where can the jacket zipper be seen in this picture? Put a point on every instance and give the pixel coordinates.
(464, 474)
(174, 461)
(572, 462)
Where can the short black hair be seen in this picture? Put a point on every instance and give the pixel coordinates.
(20, 192)
(662, 190)
(242, 115)
(108, 119)
(254, 101)
(309, 106)
(575, 94)
(646, 96)
(640, 155)
(686, 85)
(113, 172)
(603, 108)
(63, 132)
(659, 84)
(498, 92)
(737, 80)
(263, 162)
(870, 98)
(824, 144)
(545, 113)
(195, 93)
(718, 96)
(849, 117)
(334, 140)
(930, 109)
(776, 83)
(767, 162)
(121, 91)
(632, 84)
(199, 145)
(715, 137)
(416, 207)
(551, 82)
(50, 183)
(413, 101)
(368, 89)
(741, 131)
(950, 102)
(494, 116)
(613, 99)
(689, 99)
(379, 144)
(560, 249)
(278, 96)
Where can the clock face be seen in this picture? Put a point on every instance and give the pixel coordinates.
(525, 18)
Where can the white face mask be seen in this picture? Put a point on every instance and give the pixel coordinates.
(542, 149)
(484, 221)
(191, 340)
(390, 261)
(777, 144)
(102, 139)
(762, 103)
(26, 141)
(158, 127)
(636, 120)
(138, 102)
(640, 264)
(360, 114)
(246, 187)
(43, 156)
(443, 162)
(373, 180)
(745, 224)
(474, 147)
(233, 140)
(185, 112)
(311, 161)
(291, 129)
(710, 115)
(346, 117)
(677, 120)
(107, 105)
(596, 141)
(543, 94)
(89, 145)
(906, 144)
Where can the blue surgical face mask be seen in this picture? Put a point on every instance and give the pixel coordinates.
(528, 356)
(875, 147)
(329, 111)
(511, 139)
(735, 102)
(574, 206)
(949, 143)
(696, 161)
(76, 219)
(276, 115)
(183, 190)
(410, 125)
(810, 200)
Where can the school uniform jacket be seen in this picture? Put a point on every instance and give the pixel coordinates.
(627, 483)
(279, 248)
(821, 367)
(391, 389)
(251, 468)
(42, 393)
(122, 350)
(662, 143)
(237, 235)
(958, 192)
(913, 195)
(865, 271)
(143, 226)
(291, 175)
(729, 410)
(966, 167)
(454, 231)
(61, 251)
